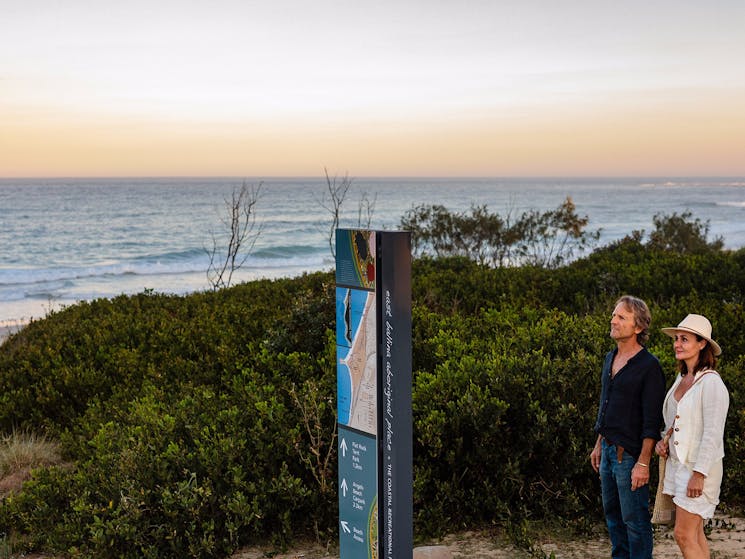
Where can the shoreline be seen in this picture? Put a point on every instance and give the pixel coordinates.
(10, 327)
(293, 225)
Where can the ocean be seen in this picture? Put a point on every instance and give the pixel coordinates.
(68, 240)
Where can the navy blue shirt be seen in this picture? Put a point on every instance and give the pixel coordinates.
(631, 402)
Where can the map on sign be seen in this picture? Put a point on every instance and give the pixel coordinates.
(357, 359)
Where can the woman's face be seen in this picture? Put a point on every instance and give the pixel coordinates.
(687, 346)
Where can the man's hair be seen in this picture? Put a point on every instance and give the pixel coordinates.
(642, 316)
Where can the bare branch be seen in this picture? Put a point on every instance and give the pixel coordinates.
(319, 451)
(337, 191)
(365, 210)
(242, 234)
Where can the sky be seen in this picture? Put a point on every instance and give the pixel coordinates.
(387, 88)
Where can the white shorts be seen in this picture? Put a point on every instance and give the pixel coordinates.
(677, 476)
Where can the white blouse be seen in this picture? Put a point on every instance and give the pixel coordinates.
(698, 436)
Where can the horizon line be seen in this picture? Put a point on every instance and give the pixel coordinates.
(354, 177)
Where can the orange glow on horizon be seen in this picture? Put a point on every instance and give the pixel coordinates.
(622, 139)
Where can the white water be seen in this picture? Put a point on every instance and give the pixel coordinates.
(66, 240)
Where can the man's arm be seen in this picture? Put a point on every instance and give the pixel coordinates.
(640, 471)
(597, 449)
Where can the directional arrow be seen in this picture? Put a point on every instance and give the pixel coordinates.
(344, 486)
(345, 526)
(343, 447)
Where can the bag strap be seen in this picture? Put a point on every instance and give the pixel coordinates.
(669, 433)
(703, 373)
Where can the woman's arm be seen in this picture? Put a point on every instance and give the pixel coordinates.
(714, 403)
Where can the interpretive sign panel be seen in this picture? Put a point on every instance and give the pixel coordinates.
(373, 333)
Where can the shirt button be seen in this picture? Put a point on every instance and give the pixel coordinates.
(677, 428)
(675, 443)
(677, 417)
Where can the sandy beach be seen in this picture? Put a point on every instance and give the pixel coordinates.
(5, 332)
(726, 541)
(9, 327)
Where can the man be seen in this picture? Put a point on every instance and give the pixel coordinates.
(628, 426)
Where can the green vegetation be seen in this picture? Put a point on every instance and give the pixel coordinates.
(191, 426)
(547, 239)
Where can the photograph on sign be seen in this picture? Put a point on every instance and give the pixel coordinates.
(356, 349)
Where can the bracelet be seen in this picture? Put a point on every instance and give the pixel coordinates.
(642, 464)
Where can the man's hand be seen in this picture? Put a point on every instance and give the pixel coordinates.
(639, 476)
(595, 458)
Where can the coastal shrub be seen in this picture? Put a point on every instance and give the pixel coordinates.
(544, 239)
(460, 286)
(307, 315)
(678, 258)
(733, 485)
(194, 425)
(662, 275)
(683, 234)
(105, 350)
(197, 476)
(502, 426)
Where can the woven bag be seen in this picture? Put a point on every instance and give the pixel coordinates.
(664, 508)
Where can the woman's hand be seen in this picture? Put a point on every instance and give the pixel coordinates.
(662, 448)
(695, 485)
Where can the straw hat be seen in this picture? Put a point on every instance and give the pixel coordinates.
(696, 324)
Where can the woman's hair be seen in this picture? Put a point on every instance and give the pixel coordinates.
(642, 316)
(706, 359)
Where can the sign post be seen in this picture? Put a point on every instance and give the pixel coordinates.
(373, 333)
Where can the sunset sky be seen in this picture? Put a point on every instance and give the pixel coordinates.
(404, 88)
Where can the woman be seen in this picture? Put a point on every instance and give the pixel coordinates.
(694, 410)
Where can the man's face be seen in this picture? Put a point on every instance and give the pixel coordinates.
(622, 324)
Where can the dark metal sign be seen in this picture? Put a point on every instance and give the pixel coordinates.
(373, 332)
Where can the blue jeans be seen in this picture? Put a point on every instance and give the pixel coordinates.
(626, 511)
